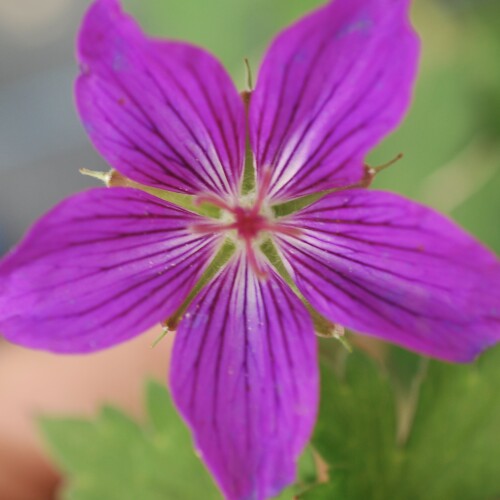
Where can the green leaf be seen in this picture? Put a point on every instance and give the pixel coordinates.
(113, 457)
(453, 447)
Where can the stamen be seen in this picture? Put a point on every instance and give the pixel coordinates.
(165, 330)
(327, 330)
(371, 172)
(206, 228)
(102, 176)
(248, 74)
(389, 163)
(253, 262)
(304, 201)
(263, 189)
(213, 200)
(113, 178)
(282, 229)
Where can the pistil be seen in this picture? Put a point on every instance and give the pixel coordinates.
(249, 223)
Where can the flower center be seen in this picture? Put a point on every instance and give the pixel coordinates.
(248, 224)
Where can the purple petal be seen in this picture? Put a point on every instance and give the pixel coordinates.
(164, 114)
(330, 87)
(100, 268)
(380, 264)
(244, 376)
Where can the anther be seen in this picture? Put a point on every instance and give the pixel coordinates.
(371, 172)
(102, 176)
(165, 330)
(113, 178)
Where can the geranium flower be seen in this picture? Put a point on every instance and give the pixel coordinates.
(246, 287)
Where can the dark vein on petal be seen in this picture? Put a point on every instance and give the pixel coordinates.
(366, 264)
(98, 272)
(230, 152)
(363, 98)
(319, 110)
(153, 128)
(264, 107)
(327, 136)
(135, 286)
(156, 131)
(191, 132)
(223, 180)
(358, 285)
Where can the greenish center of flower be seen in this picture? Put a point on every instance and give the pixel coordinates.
(245, 221)
(248, 224)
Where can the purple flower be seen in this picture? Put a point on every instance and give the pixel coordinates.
(106, 264)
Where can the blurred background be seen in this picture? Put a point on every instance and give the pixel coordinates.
(451, 146)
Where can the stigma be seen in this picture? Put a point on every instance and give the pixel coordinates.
(248, 222)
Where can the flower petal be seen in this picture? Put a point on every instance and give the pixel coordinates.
(244, 376)
(164, 114)
(100, 268)
(330, 87)
(383, 265)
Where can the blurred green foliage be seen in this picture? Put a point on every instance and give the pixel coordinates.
(230, 29)
(400, 427)
(113, 457)
(451, 136)
(448, 450)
